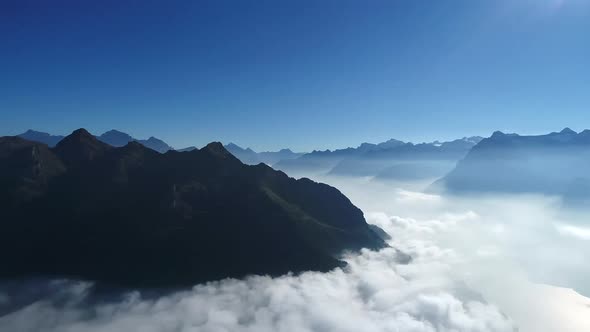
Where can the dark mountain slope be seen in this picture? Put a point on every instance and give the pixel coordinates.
(26, 168)
(135, 217)
(80, 148)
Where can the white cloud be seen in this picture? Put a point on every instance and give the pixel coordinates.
(574, 231)
(374, 293)
(472, 265)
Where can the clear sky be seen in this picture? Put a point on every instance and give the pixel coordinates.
(299, 74)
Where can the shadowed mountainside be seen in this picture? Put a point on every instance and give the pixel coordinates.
(135, 217)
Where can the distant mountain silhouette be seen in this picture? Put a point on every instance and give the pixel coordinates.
(407, 161)
(393, 159)
(131, 216)
(247, 156)
(155, 144)
(556, 163)
(273, 157)
(37, 136)
(187, 149)
(320, 161)
(112, 137)
(117, 138)
(250, 157)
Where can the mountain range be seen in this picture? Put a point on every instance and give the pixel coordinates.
(135, 217)
(41, 137)
(553, 164)
(557, 163)
(392, 159)
(118, 139)
(112, 137)
(250, 157)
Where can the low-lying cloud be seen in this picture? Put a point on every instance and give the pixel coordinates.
(478, 264)
(526, 254)
(374, 293)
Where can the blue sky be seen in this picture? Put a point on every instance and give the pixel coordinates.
(299, 74)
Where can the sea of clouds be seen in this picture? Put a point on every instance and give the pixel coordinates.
(478, 264)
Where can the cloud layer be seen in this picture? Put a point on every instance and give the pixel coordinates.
(374, 293)
(470, 271)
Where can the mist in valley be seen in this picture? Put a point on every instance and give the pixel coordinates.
(478, 263)
(295, 166)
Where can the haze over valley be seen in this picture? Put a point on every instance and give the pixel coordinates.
(295, 166)
(433, 247)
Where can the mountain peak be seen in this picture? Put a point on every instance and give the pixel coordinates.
(366, 145)
(568, 131)
(390, 143)
(216, 147)
(118, 139)
(115, 138)
(34, 132)
(80, 146)
(498, 133)
(202, 202)
(113, 132)
(81, 134)
(156, 144)
(393, 140)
